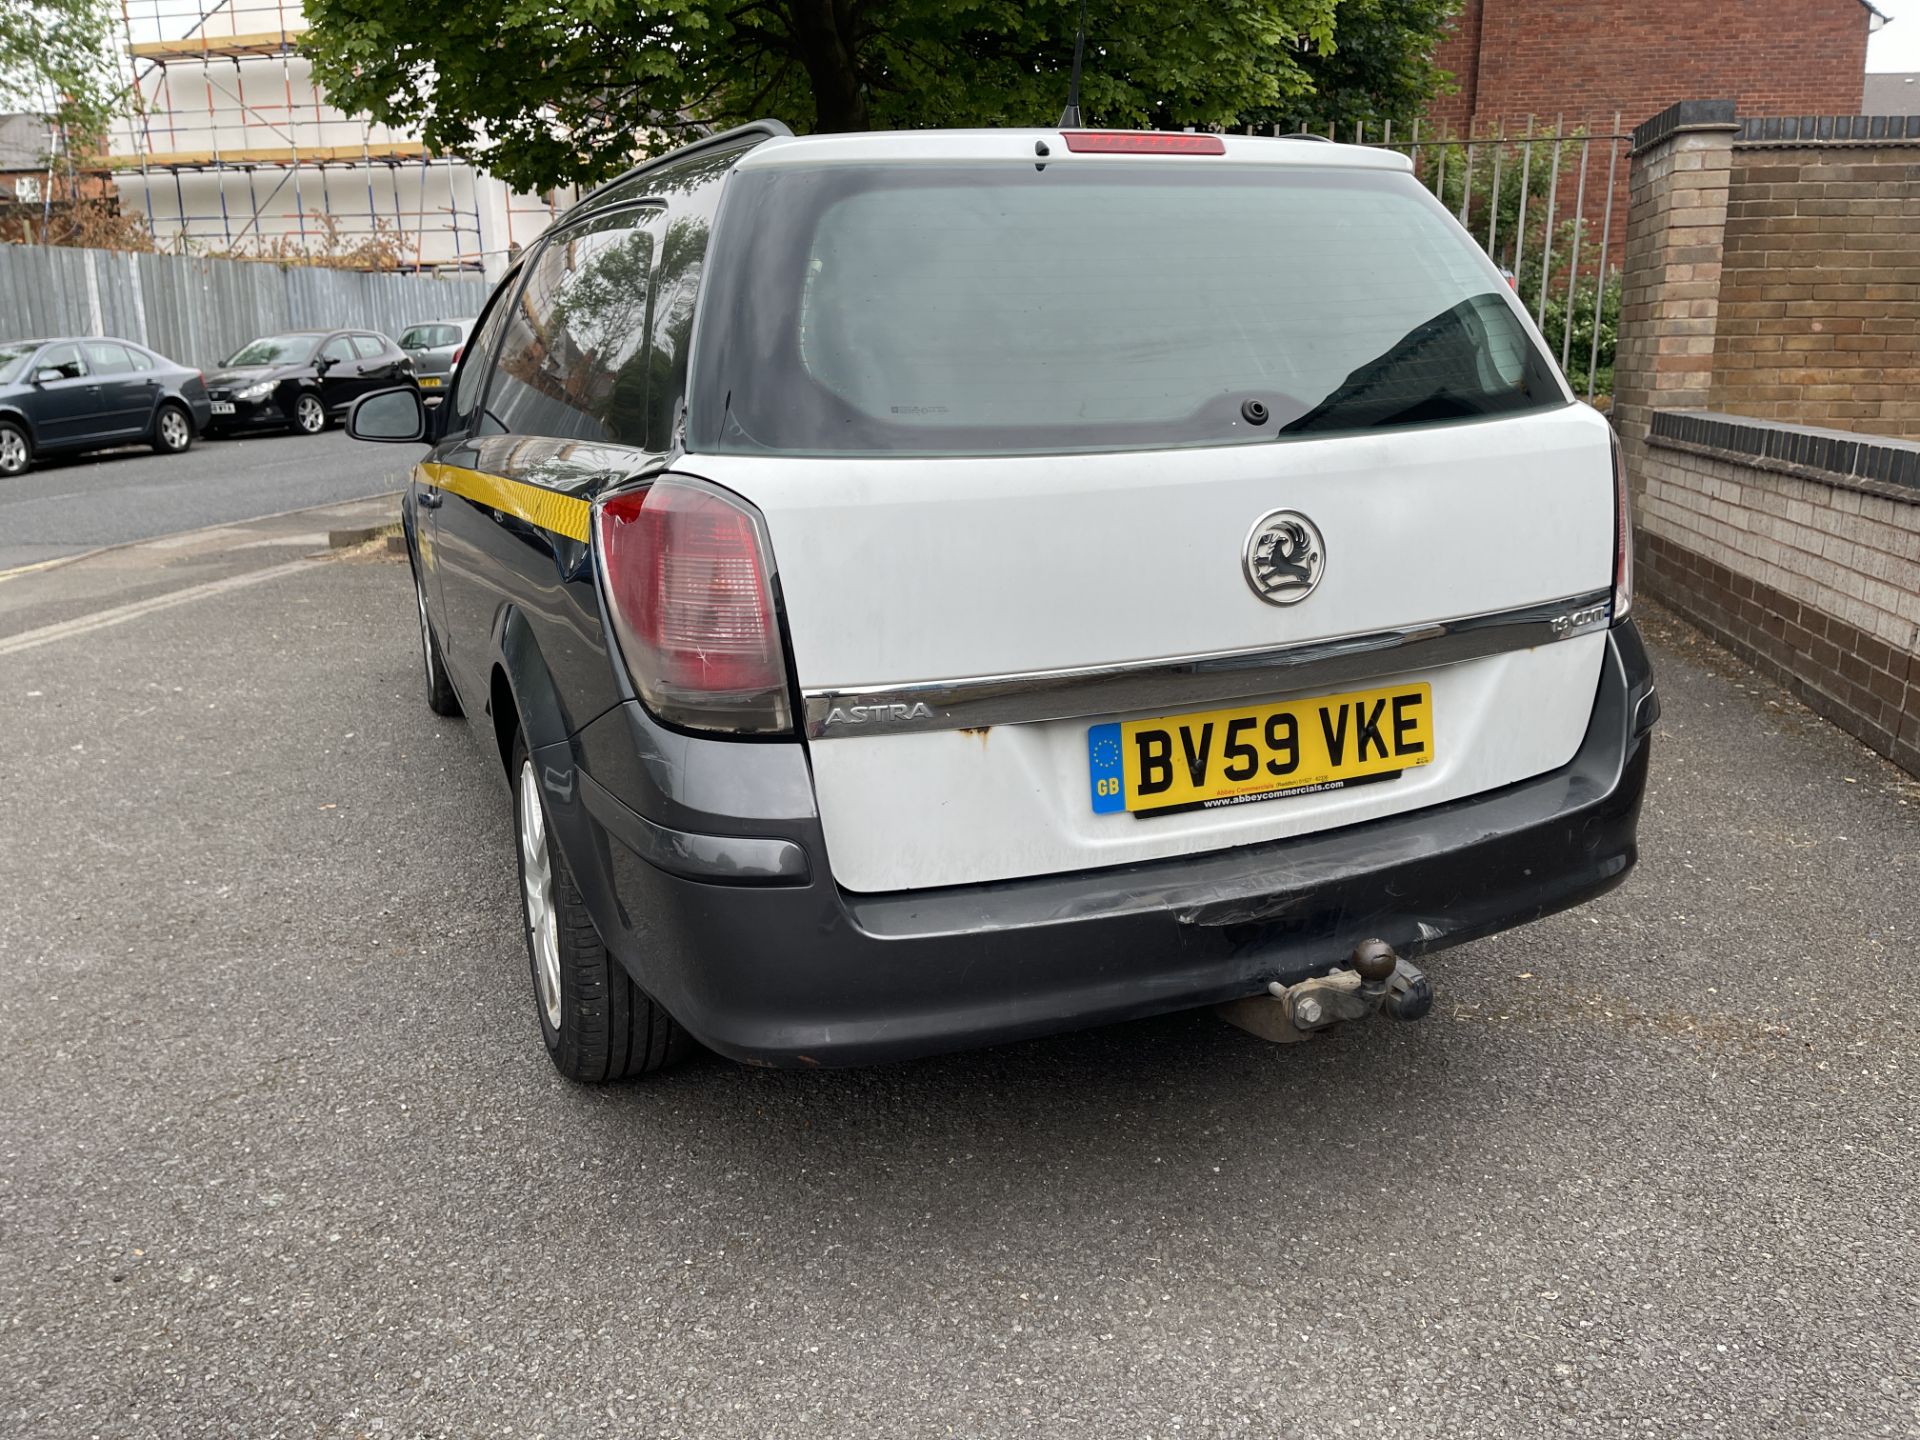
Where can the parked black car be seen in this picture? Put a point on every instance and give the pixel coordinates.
(303, 379)
(87, 394)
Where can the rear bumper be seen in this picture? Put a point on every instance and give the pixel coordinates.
(793, 971)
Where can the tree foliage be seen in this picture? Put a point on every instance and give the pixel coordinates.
(550, 91)
(56, 60)
(1381, 68)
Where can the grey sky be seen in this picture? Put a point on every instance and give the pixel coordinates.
(1897, 45)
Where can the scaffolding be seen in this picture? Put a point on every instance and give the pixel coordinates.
(232, 147)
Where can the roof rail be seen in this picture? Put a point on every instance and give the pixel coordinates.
(767, 129)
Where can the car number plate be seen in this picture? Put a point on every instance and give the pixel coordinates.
(223, 407)
(1215, 758)
(429, 382)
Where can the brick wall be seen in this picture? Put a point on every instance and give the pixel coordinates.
(1587, 63)
(1797, 547)
(1819, 304)
(1670, 280)
(1515, 58)
(1810, 574)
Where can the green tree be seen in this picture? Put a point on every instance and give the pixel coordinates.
(1380, 68)
(56, 60)
(550, 91)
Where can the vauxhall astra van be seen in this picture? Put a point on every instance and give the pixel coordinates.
(925, 590)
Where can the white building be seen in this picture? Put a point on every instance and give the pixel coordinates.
(234, 150)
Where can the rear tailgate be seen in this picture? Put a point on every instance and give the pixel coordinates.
(1009, 569)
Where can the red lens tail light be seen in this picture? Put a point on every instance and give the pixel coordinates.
(458, 351)
(688, 580)
(1622, 537)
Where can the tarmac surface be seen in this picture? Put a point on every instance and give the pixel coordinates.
(65, 505)
(281, 1155)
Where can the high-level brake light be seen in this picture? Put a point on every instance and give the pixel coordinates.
(1142, 142)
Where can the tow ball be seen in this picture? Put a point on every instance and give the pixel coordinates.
(1374, 979)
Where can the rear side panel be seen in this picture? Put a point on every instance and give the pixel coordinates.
(929, 570)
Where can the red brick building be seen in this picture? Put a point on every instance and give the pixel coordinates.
(1587, 59)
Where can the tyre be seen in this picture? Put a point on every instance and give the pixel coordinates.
(309, 415)
(598, 1025)
(16, 451)
(172, 431)
(440, 697)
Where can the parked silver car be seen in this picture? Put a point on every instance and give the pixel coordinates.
(435, 346)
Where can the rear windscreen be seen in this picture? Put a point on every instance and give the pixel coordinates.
(856, 310)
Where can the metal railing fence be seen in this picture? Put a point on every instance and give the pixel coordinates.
(1548, 204)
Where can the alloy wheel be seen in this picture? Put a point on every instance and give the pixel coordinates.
(310, 414)
(13, 452)
(175, 433)
(536, 883)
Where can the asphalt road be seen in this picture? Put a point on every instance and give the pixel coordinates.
(64, 506)
(280, 1154)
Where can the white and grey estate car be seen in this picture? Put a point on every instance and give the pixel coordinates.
(929, 589)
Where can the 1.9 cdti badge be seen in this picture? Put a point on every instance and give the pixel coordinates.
(1285, 558)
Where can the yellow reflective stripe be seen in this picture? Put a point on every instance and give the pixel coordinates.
(566, 515)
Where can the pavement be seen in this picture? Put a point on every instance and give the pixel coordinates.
(69, 596)
(64, 506)
(280, 1153)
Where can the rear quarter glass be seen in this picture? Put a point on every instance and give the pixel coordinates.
(1002, 310)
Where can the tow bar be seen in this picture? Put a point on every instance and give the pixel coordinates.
(1374, 979)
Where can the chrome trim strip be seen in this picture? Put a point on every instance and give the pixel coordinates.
(1189, 682)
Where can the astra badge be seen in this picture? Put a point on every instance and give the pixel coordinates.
(868, 714)
(1285, 558)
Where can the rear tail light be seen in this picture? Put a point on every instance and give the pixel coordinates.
(458, 351)
(689, 589)
(1622, 537)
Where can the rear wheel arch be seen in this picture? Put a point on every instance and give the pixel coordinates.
(522, 692)
(506, 717)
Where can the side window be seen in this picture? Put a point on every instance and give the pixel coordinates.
(106, 359)
(683, 253)
(140, 358)
(573, 363)
(64, 358)
(369, 347)
(476, 358)
(692, 189)
(337, 349)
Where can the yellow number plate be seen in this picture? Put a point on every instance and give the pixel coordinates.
(429, 382)
(1259, 752)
